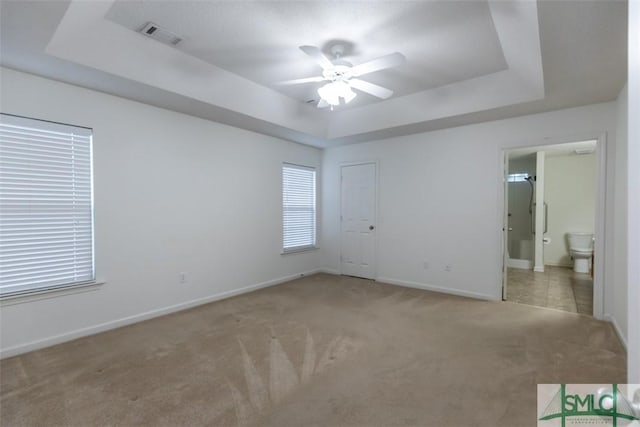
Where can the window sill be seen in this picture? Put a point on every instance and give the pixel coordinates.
(299, 250)
(6, 300)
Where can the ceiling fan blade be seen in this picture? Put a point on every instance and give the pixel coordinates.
(317, 54)
(300, 81)
(322, 104)
(387, 61)
(371, 89)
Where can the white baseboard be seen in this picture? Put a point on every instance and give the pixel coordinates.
(616, 327)
(451, 291)
(523, 264)
(539, 269)
(102, 327)
(327, 271)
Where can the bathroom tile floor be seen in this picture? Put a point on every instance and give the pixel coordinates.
(558, 287)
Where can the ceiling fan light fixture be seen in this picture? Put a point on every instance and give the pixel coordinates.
(349, 95)
(332, 92)
(329, 94)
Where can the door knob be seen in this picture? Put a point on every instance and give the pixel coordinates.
(371, 227)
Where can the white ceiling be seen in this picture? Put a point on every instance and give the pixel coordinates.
(259, 41)
(467, 61)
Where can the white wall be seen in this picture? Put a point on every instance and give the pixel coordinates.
(570, 185)
(173, 193)
(633, 180)
(440, 197)
(618, 301)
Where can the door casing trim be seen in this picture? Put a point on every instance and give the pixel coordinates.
(600, 212)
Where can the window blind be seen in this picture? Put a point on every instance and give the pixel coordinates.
(46, 205)
(298, 207)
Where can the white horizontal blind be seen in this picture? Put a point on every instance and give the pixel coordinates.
(298, 207)
(46, 205)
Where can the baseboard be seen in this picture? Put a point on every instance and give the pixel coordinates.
(91, 330)
(451, 291)
(327, 271)
(538, 269)
(523, 264)
(616, 327)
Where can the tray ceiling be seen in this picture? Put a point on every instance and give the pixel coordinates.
(259, 41)
(467, 61)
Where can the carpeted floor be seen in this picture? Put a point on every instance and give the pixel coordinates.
(320, 351)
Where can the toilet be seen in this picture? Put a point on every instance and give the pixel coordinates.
(581, 250)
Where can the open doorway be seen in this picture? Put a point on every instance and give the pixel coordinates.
(552, 226)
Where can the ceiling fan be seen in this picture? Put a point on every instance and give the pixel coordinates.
(342, 76)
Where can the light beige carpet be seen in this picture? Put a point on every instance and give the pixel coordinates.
(320, 351)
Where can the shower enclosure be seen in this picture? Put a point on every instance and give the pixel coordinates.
(521, 211)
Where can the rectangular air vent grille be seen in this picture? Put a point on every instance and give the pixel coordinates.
(160, 34)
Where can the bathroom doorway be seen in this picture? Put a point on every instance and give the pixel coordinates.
(552, 218)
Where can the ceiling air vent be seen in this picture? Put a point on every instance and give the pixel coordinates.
(160, 34)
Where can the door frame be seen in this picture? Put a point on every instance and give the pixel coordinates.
(376, 163)
(505, 223)
(599, 218)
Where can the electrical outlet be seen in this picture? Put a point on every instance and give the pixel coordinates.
(448, 267)
(183, 277)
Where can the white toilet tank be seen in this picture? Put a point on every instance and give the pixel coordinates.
(580, 240)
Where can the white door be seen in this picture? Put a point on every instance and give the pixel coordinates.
(358, 220)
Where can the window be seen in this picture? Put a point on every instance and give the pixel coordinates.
(298, 207)
(46, 205)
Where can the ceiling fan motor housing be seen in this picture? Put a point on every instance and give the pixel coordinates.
(337, 73)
